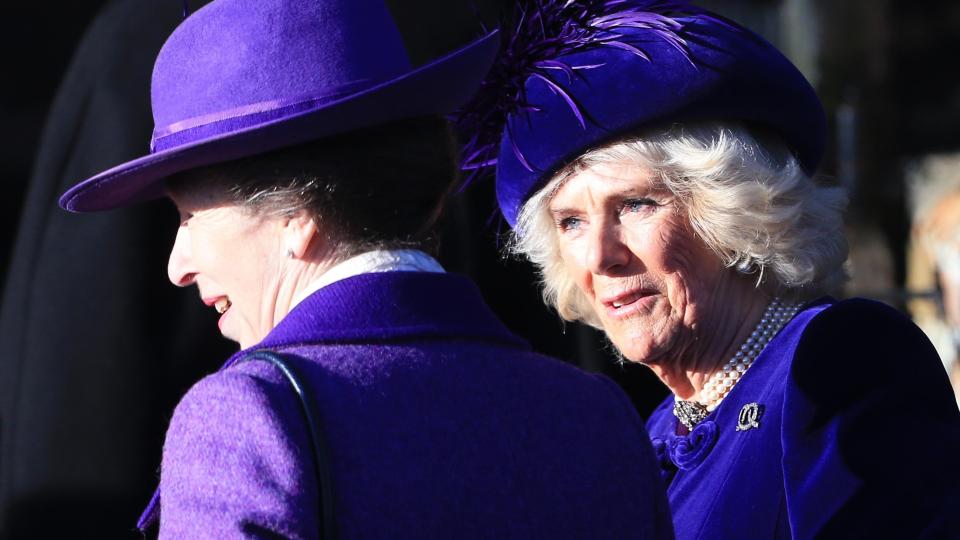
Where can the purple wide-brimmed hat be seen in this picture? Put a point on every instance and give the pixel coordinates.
(242, 77)
(575, 75)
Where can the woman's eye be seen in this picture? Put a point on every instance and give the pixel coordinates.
(568, 223)
(636, 205)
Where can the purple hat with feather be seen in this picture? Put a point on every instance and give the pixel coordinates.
(242, 77)
(573, 75)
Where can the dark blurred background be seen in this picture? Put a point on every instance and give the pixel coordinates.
(96, 347)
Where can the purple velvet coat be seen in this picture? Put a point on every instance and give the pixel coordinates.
(858, 437)
(438, 423)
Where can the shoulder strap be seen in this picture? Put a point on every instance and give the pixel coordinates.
(321, 463)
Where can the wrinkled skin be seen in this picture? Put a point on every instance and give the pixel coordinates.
(662, 296)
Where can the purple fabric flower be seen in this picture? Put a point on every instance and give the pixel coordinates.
(685, 452)
(689, 451)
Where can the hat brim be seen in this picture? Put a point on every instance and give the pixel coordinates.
(438, 87)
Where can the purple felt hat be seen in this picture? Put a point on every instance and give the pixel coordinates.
(242, 77)
(574, 76)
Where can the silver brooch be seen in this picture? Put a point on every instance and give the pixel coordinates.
(690, 413)
(750, 416)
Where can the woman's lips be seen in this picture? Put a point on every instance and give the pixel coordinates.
(627, 303)
(222, 305)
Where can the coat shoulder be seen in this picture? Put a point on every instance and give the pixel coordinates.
(865, 394)
(233, 460)
(857, 344)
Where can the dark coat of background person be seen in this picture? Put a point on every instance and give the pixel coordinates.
(96, 346)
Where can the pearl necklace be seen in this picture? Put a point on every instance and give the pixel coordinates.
(691, 413)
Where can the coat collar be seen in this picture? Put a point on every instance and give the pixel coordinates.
(389, 306)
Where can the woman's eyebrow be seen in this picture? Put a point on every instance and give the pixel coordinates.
(613, 196)
(563, 210)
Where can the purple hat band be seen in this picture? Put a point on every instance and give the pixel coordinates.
(711, 70)
(208, 125)
(243, 77)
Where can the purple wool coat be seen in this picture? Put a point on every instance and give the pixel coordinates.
(856, 434)
(437, 422)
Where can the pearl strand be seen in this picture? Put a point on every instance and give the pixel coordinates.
(777, 314)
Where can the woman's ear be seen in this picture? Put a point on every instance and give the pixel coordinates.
(299, 230)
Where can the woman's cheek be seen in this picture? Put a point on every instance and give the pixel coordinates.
(571, 256)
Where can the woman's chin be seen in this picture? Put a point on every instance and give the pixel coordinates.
(228, 331)
(631, 350)
(642, 347)
(637, 357)
(624, 336)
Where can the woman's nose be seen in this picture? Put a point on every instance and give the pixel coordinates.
(607, 252)
(180, 266)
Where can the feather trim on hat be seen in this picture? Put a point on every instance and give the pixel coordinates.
(542, 33)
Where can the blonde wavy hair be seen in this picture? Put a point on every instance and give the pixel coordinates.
(744, 195)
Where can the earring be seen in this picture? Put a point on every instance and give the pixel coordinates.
(289, 253)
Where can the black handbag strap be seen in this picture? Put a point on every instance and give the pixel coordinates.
(319, 451)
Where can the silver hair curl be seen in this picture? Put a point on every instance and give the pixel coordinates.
(744, 195)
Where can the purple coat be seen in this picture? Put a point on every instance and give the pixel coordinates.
(855, 434)
(437, 421)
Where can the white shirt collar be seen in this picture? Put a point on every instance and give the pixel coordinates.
(381, 260)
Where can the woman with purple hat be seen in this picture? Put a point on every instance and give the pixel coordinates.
(375, 395)
(657, 163)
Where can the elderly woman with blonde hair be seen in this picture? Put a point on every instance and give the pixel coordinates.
(656, 163)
